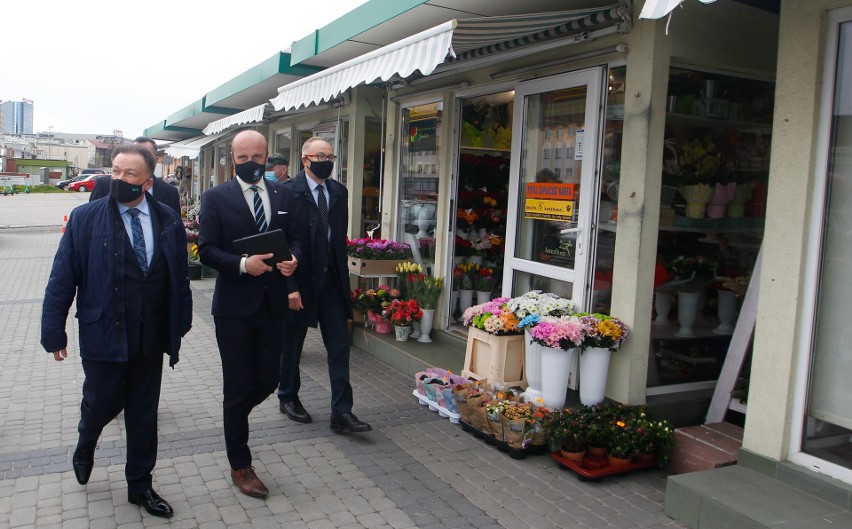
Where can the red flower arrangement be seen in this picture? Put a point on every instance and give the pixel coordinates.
(403, 312)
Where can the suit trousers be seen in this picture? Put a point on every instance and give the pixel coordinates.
(250, 349)
(134, 387)
(332, 316)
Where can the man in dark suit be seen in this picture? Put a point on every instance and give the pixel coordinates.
(250, 296)
(124, 258)
(319, 291)
(165, 193)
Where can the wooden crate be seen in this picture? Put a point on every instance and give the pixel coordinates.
(373, 267)
(500, 359)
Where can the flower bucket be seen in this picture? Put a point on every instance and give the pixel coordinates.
(722, 194)
(594, 368)
(532, 368)
(727, 310)
(663, 305)
(688, 304)
(402, 332)
(426, 325)
(483, 296)
(556, 370)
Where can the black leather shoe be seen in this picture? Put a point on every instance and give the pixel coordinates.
(152, 502)
(348, 423)
(83, 461)
(295, 411)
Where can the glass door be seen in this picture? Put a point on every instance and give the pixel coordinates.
(554, 186)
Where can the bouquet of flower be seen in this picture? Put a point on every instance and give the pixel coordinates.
(623, 439)
(536, 302)
(693, 162)
(465, 273)
(367, 248)
(558, 332)
(600, 330)
(481, 245)
(467, 218)
(410, 277)
(484, 279)
(492, 317)
(429, 291)
(688, 267)
(402, 313)
(193, 254)
(739, 285)
(463, 247)
(376, 299)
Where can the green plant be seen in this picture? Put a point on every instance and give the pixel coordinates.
(567, 428)
(429, 291)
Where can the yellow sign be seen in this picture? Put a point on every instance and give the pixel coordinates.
(549, 209)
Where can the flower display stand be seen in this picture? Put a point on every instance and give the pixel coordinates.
(594, 368)
(532, 368)
(595, 468)
(500, 359)
(558, 368)
(373, 267)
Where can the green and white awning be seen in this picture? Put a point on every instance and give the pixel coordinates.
(454, 40)
(190, 147)
(251, 115)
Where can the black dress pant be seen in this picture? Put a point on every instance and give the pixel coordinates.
(134, 387)
(332, 316)
(250, 349)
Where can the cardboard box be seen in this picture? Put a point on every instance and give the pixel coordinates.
(373, 267)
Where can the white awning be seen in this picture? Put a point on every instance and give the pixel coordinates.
(660, 8)
(191, 147)
(252, 115)
(427, 49)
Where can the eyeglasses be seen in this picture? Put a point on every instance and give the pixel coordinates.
(322, 157)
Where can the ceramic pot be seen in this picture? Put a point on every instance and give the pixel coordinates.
(483, 296)
(426, 323)
(465, 300)
(594, 368)
(402, 332)
(618, 461)
(576, 457)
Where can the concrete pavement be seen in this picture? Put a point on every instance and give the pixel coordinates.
(414, 470)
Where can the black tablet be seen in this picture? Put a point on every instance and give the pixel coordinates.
(273, 242)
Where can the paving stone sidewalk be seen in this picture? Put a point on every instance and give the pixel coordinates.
(414, 470)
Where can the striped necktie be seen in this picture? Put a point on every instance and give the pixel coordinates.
(138, 239)
(322, 206)
(259, 215)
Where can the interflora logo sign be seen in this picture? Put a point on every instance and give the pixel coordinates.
(549, 201)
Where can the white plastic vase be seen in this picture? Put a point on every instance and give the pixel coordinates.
(475, 259)
(727, 312)
(594, 369)
(532, 368)
(465, 300)
(555, 372)
(415, 330)
(688, 304)
(663, 304)
(483, 296)
(426, 325)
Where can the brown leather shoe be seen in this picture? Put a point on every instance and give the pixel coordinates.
(249, 483)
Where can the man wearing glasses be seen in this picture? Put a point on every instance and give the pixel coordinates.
(319, 289)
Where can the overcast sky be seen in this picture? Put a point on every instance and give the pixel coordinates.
(91, 66)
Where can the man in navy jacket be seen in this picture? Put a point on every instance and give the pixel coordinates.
(250, 296)
(319, 290)
(124, 259)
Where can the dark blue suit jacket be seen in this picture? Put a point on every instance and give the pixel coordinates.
(304, 211)
(225, 217)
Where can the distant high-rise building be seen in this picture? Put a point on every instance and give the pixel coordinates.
(17, 117)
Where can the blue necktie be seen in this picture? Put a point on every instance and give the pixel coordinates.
(138, 239)
(259, 215)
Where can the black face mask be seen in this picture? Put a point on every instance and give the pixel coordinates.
(322, 169)
(250, 172)
(124, 192)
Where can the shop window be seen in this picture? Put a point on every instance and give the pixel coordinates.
(828, 426)
(418, 180)
(712, 209)
(372, 177)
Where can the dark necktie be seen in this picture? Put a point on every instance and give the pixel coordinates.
(322, 206)
(138, 239)
(259, 215)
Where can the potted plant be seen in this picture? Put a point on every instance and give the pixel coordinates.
(483, 283)
(602, 335)
(374, 301)
(560, 336)
(428, 291)
(402, 314)
(374, 256)
(495, 345)
(194, 263)
(692, 167)
(465, 273)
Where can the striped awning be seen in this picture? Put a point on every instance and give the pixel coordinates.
(252, 115)
(191, 147)
(659, 8)
(453, 40)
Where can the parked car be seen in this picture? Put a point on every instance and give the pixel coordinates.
(62, 184)
(86, 184)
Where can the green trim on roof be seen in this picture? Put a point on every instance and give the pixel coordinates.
(277, 64)
(186, 112)
(172, 128)
(353, 23)
(221, 110)
(157, 127)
